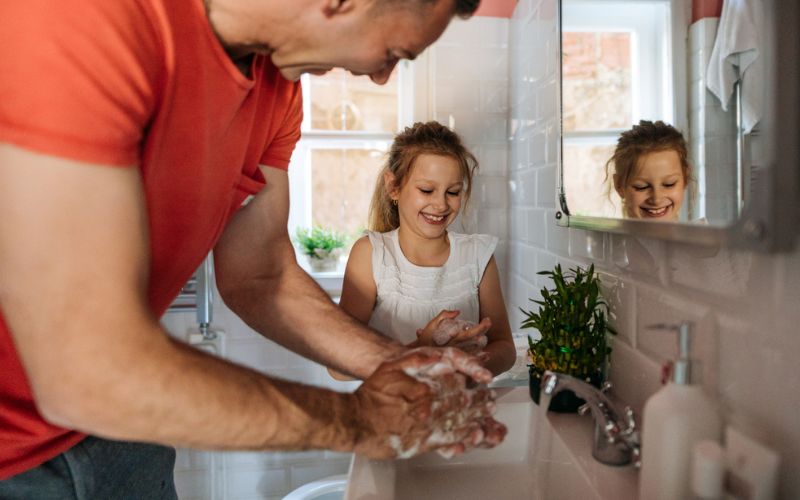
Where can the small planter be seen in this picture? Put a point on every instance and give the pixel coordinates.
(564, 401)
(323, 265)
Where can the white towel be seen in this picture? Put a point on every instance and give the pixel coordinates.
(736, 54)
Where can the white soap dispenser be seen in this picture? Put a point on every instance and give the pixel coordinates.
(675, 418)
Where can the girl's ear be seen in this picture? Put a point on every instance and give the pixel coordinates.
(389, 184)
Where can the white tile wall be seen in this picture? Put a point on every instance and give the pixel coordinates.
(712, 131)
(746, 306)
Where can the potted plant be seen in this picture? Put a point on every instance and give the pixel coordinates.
(322, 247)
(572, 323)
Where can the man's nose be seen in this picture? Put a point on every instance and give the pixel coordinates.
(382, 75)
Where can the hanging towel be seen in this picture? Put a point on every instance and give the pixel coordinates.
(736, 55)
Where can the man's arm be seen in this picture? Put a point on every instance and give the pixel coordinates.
(74, 267)
(260, 280)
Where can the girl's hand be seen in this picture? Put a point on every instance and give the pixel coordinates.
(446, 330)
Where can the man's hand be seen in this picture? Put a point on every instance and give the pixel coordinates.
(420, 402)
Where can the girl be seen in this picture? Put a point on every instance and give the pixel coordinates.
(651, 171)
(409, 267)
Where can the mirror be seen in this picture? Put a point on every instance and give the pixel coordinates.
(634, 71)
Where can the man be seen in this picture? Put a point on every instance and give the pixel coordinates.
(130, 133)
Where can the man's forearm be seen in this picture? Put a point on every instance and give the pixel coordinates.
(176, 395)
(291, 309)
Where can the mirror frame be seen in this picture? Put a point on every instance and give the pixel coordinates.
(771, 221)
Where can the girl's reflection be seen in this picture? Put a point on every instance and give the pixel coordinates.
(651, 171)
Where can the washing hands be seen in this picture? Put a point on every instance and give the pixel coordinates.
(421, 402)
(447, 330)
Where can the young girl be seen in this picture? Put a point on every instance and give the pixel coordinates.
(410, 268)
(651, 171)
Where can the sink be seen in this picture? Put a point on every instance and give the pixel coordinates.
(534, 462)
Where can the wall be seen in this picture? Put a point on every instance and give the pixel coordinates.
(474, 99)
(744, 304)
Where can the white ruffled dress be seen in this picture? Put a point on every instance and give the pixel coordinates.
(408, 296)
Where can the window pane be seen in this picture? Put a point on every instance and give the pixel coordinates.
(597, 81)
(341, 101)
(342, 181)
(585, 181)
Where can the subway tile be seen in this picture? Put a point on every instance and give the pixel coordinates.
(557, 236)
(456, 96)
(657, 306)
(537, 226)
(490, 192)
(244, 483)
(258, 354)
(193, 484)
(537, 148)
(490, 220)
(546, 187)
(268, 459)
(620, 295)
(493, 159)
(720, 273)
(586, 244)
(493, 97)
(635, 376)
(642, 258)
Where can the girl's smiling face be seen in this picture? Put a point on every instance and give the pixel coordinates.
(657, 189)
(431, 195)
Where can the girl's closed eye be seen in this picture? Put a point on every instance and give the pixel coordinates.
(426, 191)
(454, 193)
(641, 188)
(670, 185)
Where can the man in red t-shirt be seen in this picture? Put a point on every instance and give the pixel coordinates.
(130, 134)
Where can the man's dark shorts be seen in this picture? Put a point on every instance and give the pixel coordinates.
(97, 468)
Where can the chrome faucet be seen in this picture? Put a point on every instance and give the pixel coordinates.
(616, 437)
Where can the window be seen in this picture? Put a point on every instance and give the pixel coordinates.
(349, 123)
(616, 70)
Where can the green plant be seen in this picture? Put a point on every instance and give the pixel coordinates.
(320, 243)
(572, 322)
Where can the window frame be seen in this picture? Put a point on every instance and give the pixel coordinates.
(300, 191)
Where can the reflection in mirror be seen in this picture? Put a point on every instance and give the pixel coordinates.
(619, 67)
(650, 172)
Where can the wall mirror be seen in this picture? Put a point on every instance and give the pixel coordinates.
(648, 147)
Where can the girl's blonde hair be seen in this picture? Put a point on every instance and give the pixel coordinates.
(420, 138)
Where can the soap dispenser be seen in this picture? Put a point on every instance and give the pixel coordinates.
(676, 417)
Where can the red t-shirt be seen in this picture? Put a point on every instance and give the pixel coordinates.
(146, 83)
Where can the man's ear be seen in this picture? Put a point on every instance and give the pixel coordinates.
(389, 184)
(333, 7)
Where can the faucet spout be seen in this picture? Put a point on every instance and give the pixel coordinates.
(616, 437)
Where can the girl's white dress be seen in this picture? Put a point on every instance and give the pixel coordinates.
(409, 296)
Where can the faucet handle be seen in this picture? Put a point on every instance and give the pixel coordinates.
(584, 409)
(606, 386)
(630, 419)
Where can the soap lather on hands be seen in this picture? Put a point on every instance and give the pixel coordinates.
(420, 402)
(446, 329)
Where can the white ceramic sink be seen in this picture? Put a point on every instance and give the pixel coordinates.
(532, 463)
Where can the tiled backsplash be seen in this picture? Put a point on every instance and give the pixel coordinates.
(746, 306)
